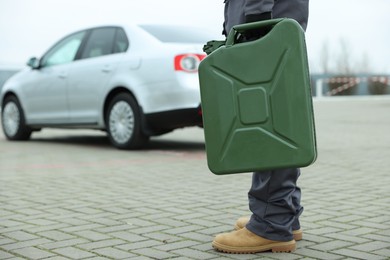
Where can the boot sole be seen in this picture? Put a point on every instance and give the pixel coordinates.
(281, 247)
(297, 234)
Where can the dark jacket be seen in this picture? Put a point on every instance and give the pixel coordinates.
(237, 10)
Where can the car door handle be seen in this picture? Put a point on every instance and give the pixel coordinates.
(62, 75)
(107, 69)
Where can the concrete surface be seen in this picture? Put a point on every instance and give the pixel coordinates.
(68, 194)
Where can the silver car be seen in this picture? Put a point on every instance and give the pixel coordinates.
(131, 81)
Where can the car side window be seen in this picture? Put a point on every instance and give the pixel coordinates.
(121, 42)
(99, 43)
(64, 51)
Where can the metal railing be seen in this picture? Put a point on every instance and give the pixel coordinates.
(357, 85)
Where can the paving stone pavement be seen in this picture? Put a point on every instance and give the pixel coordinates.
(67, 194)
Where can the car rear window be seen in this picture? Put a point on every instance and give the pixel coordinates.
(179, 34)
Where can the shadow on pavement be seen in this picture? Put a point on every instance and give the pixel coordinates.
(103, 142)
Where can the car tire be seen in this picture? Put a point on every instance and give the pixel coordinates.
(13, 120)
(123, 123)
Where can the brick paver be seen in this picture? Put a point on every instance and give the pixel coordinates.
(71, 195)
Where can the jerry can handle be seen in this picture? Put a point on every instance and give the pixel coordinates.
(241, 28)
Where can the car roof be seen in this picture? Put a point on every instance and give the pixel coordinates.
(178, 33)
(166, 33)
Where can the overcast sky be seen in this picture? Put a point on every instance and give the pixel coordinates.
(29, 27)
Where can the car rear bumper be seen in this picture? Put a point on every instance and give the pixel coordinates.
(163, 122)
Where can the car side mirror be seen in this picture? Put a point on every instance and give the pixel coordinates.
(33, 63)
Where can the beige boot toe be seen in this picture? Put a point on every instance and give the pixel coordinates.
(244, 241)
(242, 221)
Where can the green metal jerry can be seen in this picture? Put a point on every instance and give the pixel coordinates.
(256, 101)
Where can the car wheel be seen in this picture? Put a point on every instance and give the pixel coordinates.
(123, 120)
(13, 121)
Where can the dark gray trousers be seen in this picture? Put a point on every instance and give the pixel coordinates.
(274, 200)
(235, 11)
(274, 197)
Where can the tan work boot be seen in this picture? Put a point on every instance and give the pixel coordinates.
(244, 241)
(241, 223)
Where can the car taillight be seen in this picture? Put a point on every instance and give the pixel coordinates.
(188, 62)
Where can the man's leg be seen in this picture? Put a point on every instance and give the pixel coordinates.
(274, 200)
(297, 204)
